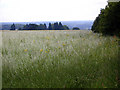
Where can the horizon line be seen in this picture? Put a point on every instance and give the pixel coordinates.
(43, 21)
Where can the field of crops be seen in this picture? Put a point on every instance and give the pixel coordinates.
(59, 59)
(0, 60)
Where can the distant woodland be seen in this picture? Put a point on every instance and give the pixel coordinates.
(83, 25)
(54, 26)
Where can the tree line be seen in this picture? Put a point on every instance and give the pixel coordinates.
(54, 26)
(108, 21)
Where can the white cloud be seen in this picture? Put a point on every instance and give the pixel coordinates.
(50, 10)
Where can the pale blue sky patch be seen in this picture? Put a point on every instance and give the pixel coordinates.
(49, 10)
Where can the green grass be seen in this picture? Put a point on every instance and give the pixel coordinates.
(0, 60)
(59, 59)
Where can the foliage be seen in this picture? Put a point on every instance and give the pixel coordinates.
(50, 26)
(57, 26)
(108, 21)
(76, 28)
(65, 27)
(54, 26)
(61, 27)
(13, 27)
(41, 27)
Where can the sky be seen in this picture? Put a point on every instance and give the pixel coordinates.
(49, 10)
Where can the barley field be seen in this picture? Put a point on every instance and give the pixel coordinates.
(59, 59)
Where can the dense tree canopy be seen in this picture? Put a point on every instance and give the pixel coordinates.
(54, 26)
(61, 27)
(65, 27)
(76, 28)
(35, 27)
(108, 21)
(50, 26)
(42, 27)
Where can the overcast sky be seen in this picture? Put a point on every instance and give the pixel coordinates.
(49, 10)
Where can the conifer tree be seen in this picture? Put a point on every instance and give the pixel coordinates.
(50, 26)
(13, 27)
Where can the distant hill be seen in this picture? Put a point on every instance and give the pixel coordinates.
(83, 25)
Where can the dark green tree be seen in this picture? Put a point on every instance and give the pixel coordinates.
(60, 27)
(76, 28)
(94, 26)
(45, 27)
(50, 26)
(108, 21)
(56, 26)
(20, 28)
(33, 27)
(30, 27)
(65, 27)
(26, 27)
(13, 27)
(41, 27)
